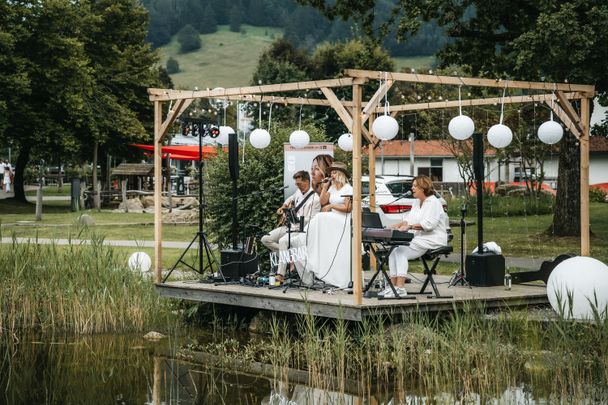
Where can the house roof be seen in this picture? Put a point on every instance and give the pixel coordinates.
(598, 144)
(422, 148)
(133, 169)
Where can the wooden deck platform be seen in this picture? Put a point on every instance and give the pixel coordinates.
(339, 304)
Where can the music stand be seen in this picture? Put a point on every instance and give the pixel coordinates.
(204, 247)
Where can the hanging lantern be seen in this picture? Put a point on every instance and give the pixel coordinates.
(259, 138)
(461, 127)
(345, 142)
(550, 132)
(223, 137)
(299, 139)
(500, 136)
(385, 127)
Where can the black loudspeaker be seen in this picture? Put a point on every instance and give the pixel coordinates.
(233, 156)
(485, 269)
(237, 264)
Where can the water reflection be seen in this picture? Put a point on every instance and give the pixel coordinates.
(131, 370)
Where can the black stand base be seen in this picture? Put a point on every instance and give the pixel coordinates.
(204, 250)
(458, 278)
(380, 269)
(430, 280)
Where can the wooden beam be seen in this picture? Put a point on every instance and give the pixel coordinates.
(569, 110)
(564, 118)
(177, 111)
(371, 164)
(356, 203)
(376, 99)
(158, 183)
(584, 142)
(343, 112)
(479, 101)
(283, 100)
(467, 81)
(168, 94)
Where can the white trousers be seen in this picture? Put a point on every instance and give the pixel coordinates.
(277, 240)
(398, 260)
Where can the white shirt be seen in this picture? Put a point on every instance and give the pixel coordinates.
(432, 219)
(311, 207)
(337, 196)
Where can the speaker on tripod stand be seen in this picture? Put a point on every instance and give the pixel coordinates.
(235, 262)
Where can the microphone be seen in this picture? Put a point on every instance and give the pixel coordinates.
(409, 194)
(326, 180)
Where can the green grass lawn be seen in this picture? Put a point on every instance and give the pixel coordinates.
(521, 236)
(53, 190)
(416, 62)
(226, 59)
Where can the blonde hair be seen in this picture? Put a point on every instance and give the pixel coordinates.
(425, 183)
(340, 177)
(324, 161)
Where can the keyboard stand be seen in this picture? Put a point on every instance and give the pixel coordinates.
(380, 269)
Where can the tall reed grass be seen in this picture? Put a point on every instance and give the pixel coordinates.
(78, 289)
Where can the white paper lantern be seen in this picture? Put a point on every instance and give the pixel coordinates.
(578, 286)
(500, 136)
(385, 127)
(550, 132)
(223, 138)
(299, 139)
(461, 127)
(259, 138)
(140, 261)
(345, 142)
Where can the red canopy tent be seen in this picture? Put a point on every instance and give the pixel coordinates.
(182, 152)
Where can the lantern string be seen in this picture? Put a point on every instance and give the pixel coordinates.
(270, 115)
(300, 115)
(459, 99)
(553, 100)
(502, 103)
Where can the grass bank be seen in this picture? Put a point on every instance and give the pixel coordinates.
(466, 355)
(74, 289)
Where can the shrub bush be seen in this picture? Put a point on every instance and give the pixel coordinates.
(172, 66)
(189, 39)
(504, 206)
(596, 194)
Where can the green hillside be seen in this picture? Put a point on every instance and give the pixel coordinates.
(226, 59)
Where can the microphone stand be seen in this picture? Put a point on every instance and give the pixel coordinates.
(458, 277)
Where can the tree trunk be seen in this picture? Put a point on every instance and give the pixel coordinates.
(22, 161)
(96, 198)
(567, 213)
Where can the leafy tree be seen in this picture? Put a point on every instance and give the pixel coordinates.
(236, 19)
(189, 39)
(172, 66)
(538, 40)
(208, 23)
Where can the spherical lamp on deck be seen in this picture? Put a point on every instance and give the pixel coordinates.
(299, 139)
(345, 142)
(259, 138)
(550, 132)
(225, 131)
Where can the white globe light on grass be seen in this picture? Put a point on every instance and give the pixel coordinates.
(140, 261)
(550, 132)
(345, 142)
(500, 136)
(223, 138)
(259, 138)
(578, 288)
(385, 127)
(299, 139)
(461, 127)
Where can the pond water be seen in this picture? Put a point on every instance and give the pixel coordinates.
(132, 370)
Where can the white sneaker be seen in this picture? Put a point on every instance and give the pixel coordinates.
(390, 294)
(386, 290)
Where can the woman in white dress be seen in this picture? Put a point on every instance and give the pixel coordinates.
(327, 239)
(427, 221)
(7, 179)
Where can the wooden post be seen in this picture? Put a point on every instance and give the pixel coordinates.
(96, 196)
(157, 381)
(39, 201)
(123, 189)
(372, 184)
(584, 142)
(158, 191)
(356, 209)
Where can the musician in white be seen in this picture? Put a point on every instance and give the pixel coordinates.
(307, 203)
(427, 221)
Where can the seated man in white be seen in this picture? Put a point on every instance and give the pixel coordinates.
(327, 240)
(306, 201)
(427, 221)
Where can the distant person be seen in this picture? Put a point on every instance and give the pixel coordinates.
(8, 178)
(2, 165)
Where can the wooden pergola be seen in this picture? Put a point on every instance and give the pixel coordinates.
(358, 115)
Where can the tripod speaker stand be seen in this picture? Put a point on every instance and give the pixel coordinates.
(204, 248)
(459, 277)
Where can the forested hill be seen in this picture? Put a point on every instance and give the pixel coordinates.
(303, 26)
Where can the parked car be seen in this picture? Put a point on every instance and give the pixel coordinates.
(391, 202)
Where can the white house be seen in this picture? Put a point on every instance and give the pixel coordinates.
(435, 159)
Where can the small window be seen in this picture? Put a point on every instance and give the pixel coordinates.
(399, 187)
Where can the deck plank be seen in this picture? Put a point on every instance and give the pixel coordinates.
(341, 305)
